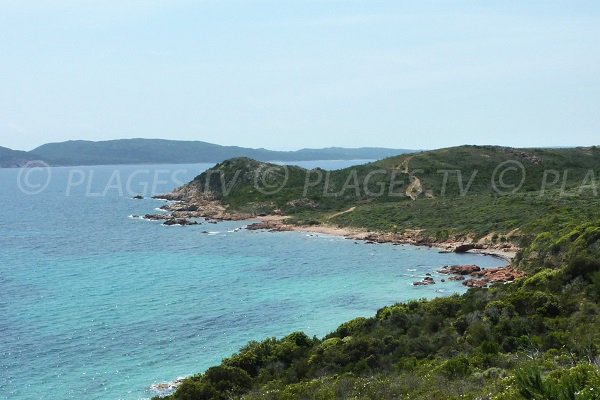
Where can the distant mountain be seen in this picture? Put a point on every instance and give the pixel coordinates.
(159, 151)
(15, 158)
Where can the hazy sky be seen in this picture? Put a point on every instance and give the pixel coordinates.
(290, 74)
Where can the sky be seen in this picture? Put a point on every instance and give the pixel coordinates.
(292, 74)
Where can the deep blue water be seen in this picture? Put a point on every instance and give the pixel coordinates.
(97, 305)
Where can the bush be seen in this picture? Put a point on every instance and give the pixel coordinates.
(456, 367)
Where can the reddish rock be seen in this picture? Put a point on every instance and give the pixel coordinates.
(479, 283)
(463, 248)
(460, 269)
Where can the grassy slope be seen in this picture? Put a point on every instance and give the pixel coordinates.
(534, 339)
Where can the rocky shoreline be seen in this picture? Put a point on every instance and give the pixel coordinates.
(478, 277)
(185, 208)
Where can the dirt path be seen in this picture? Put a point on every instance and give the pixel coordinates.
(415, 188)
(341, 213)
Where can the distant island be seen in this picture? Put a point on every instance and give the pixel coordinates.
(160, 151)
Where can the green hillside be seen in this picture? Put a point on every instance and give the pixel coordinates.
(537, 338)
(460, 191)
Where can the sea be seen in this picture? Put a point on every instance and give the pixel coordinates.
(98, 304)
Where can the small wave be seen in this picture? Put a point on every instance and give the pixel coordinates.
(166, 388)
(412, 270)
(161, 210)
(135, 216)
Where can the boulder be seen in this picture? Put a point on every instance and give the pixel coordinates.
(478, 283)
(426, 281)
(463, 248)
(460, 269)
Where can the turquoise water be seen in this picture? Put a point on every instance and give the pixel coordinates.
(97, 305)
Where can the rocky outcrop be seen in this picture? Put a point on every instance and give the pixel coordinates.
(270, 226)
(480, 277)
(464, 247)
(460, 269)
(185, 202)
(179, 221)
(157, 217)
(478, 283)
(425, 282)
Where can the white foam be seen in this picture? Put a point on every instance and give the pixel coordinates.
(166, 387)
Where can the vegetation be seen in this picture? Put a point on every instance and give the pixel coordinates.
(536, 338)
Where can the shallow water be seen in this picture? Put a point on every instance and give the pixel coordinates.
(96, 304)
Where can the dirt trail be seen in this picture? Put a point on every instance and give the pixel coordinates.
(341, 213)
(415, 188)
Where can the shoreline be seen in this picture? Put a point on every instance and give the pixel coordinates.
(277, 223)
(184, 206)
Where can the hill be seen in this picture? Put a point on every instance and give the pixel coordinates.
(536, 338)
(158, 151)
(15, 158)
(458, 175)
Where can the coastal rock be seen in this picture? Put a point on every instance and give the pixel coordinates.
(138, 197)
(478, 283)
(460, 269)
(464, 247)
(157, 217)
(426, 281)
(507, 274)
(456, 278)
(179, 221)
